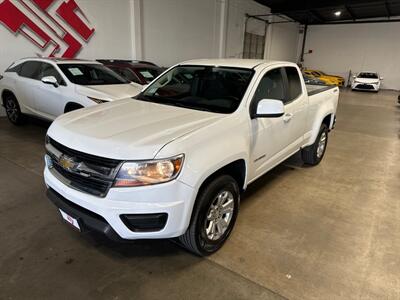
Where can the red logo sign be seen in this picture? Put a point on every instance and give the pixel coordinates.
(33, 19)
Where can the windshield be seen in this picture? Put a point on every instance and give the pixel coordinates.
(215, 89)
(91, 74)
(368, 75)
(149, 74)
(126, 73)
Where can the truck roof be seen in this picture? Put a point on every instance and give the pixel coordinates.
(231, 62)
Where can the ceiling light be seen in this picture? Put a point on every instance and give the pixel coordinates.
(338, 13)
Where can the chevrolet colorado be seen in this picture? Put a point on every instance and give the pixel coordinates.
(174, 160)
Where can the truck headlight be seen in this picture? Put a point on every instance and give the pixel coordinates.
(141, 173)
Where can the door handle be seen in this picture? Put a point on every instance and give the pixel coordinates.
(287, 117)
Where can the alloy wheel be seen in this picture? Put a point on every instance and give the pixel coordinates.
(321, 145)
(12, 110)
(219, 215)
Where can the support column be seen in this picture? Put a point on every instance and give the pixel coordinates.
(223, 25)
(136, 29)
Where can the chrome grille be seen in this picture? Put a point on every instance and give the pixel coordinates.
(84, 172)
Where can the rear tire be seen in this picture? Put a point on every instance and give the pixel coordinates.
(313, 154)
(13, 110)
(213, 217)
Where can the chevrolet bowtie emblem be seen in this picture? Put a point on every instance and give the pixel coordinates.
(67, 162)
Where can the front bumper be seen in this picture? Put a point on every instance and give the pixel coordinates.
(365, 87)
(175, 199)
(87, 219)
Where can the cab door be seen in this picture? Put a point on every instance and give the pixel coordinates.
(296, 104)
(276, 138)
(27, 81)
(50, 100)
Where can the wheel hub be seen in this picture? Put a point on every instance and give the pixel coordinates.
(219, 215)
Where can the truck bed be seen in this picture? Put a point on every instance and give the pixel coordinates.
(313, 89)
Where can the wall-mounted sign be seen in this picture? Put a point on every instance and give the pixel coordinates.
(48, 27)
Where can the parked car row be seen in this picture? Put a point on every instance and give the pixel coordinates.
(327, 79)
(49, 87)
(366, 81)
(312, 80)
(141, 72)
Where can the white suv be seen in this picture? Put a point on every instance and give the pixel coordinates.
(49, 87)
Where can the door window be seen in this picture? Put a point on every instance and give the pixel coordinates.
(49, 70)
(271, 86)
(294, 84)
(31, 69)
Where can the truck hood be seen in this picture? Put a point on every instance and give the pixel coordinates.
(110, 92)
(128, 129)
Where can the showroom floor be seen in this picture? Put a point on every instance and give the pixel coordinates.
(327, 232)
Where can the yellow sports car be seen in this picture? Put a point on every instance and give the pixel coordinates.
(328, 79)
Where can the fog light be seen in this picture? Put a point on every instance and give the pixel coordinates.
(145, 222)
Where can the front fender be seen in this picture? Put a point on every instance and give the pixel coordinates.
(317, 125)
(209, 149)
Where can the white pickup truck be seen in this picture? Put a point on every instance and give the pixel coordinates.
(174, 160)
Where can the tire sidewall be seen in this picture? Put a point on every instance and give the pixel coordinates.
(323, 128)
(225, 182)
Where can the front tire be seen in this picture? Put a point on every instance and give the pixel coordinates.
(313, 154)
(13, 110)
(213, 217)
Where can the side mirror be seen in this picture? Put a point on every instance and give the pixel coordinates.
(268, 108)
(50, 80)
(381, 78)
(354, 76)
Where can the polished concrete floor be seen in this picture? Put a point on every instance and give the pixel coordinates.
(328, 232)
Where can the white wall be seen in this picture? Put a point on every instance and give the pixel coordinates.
(111, 20)
(237, 10)
(337, 49)
(282, 41)
(190, 29)
(177, 30)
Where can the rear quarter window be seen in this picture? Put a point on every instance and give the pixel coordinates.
(294, 83)
(31, 69)
(14, 68)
